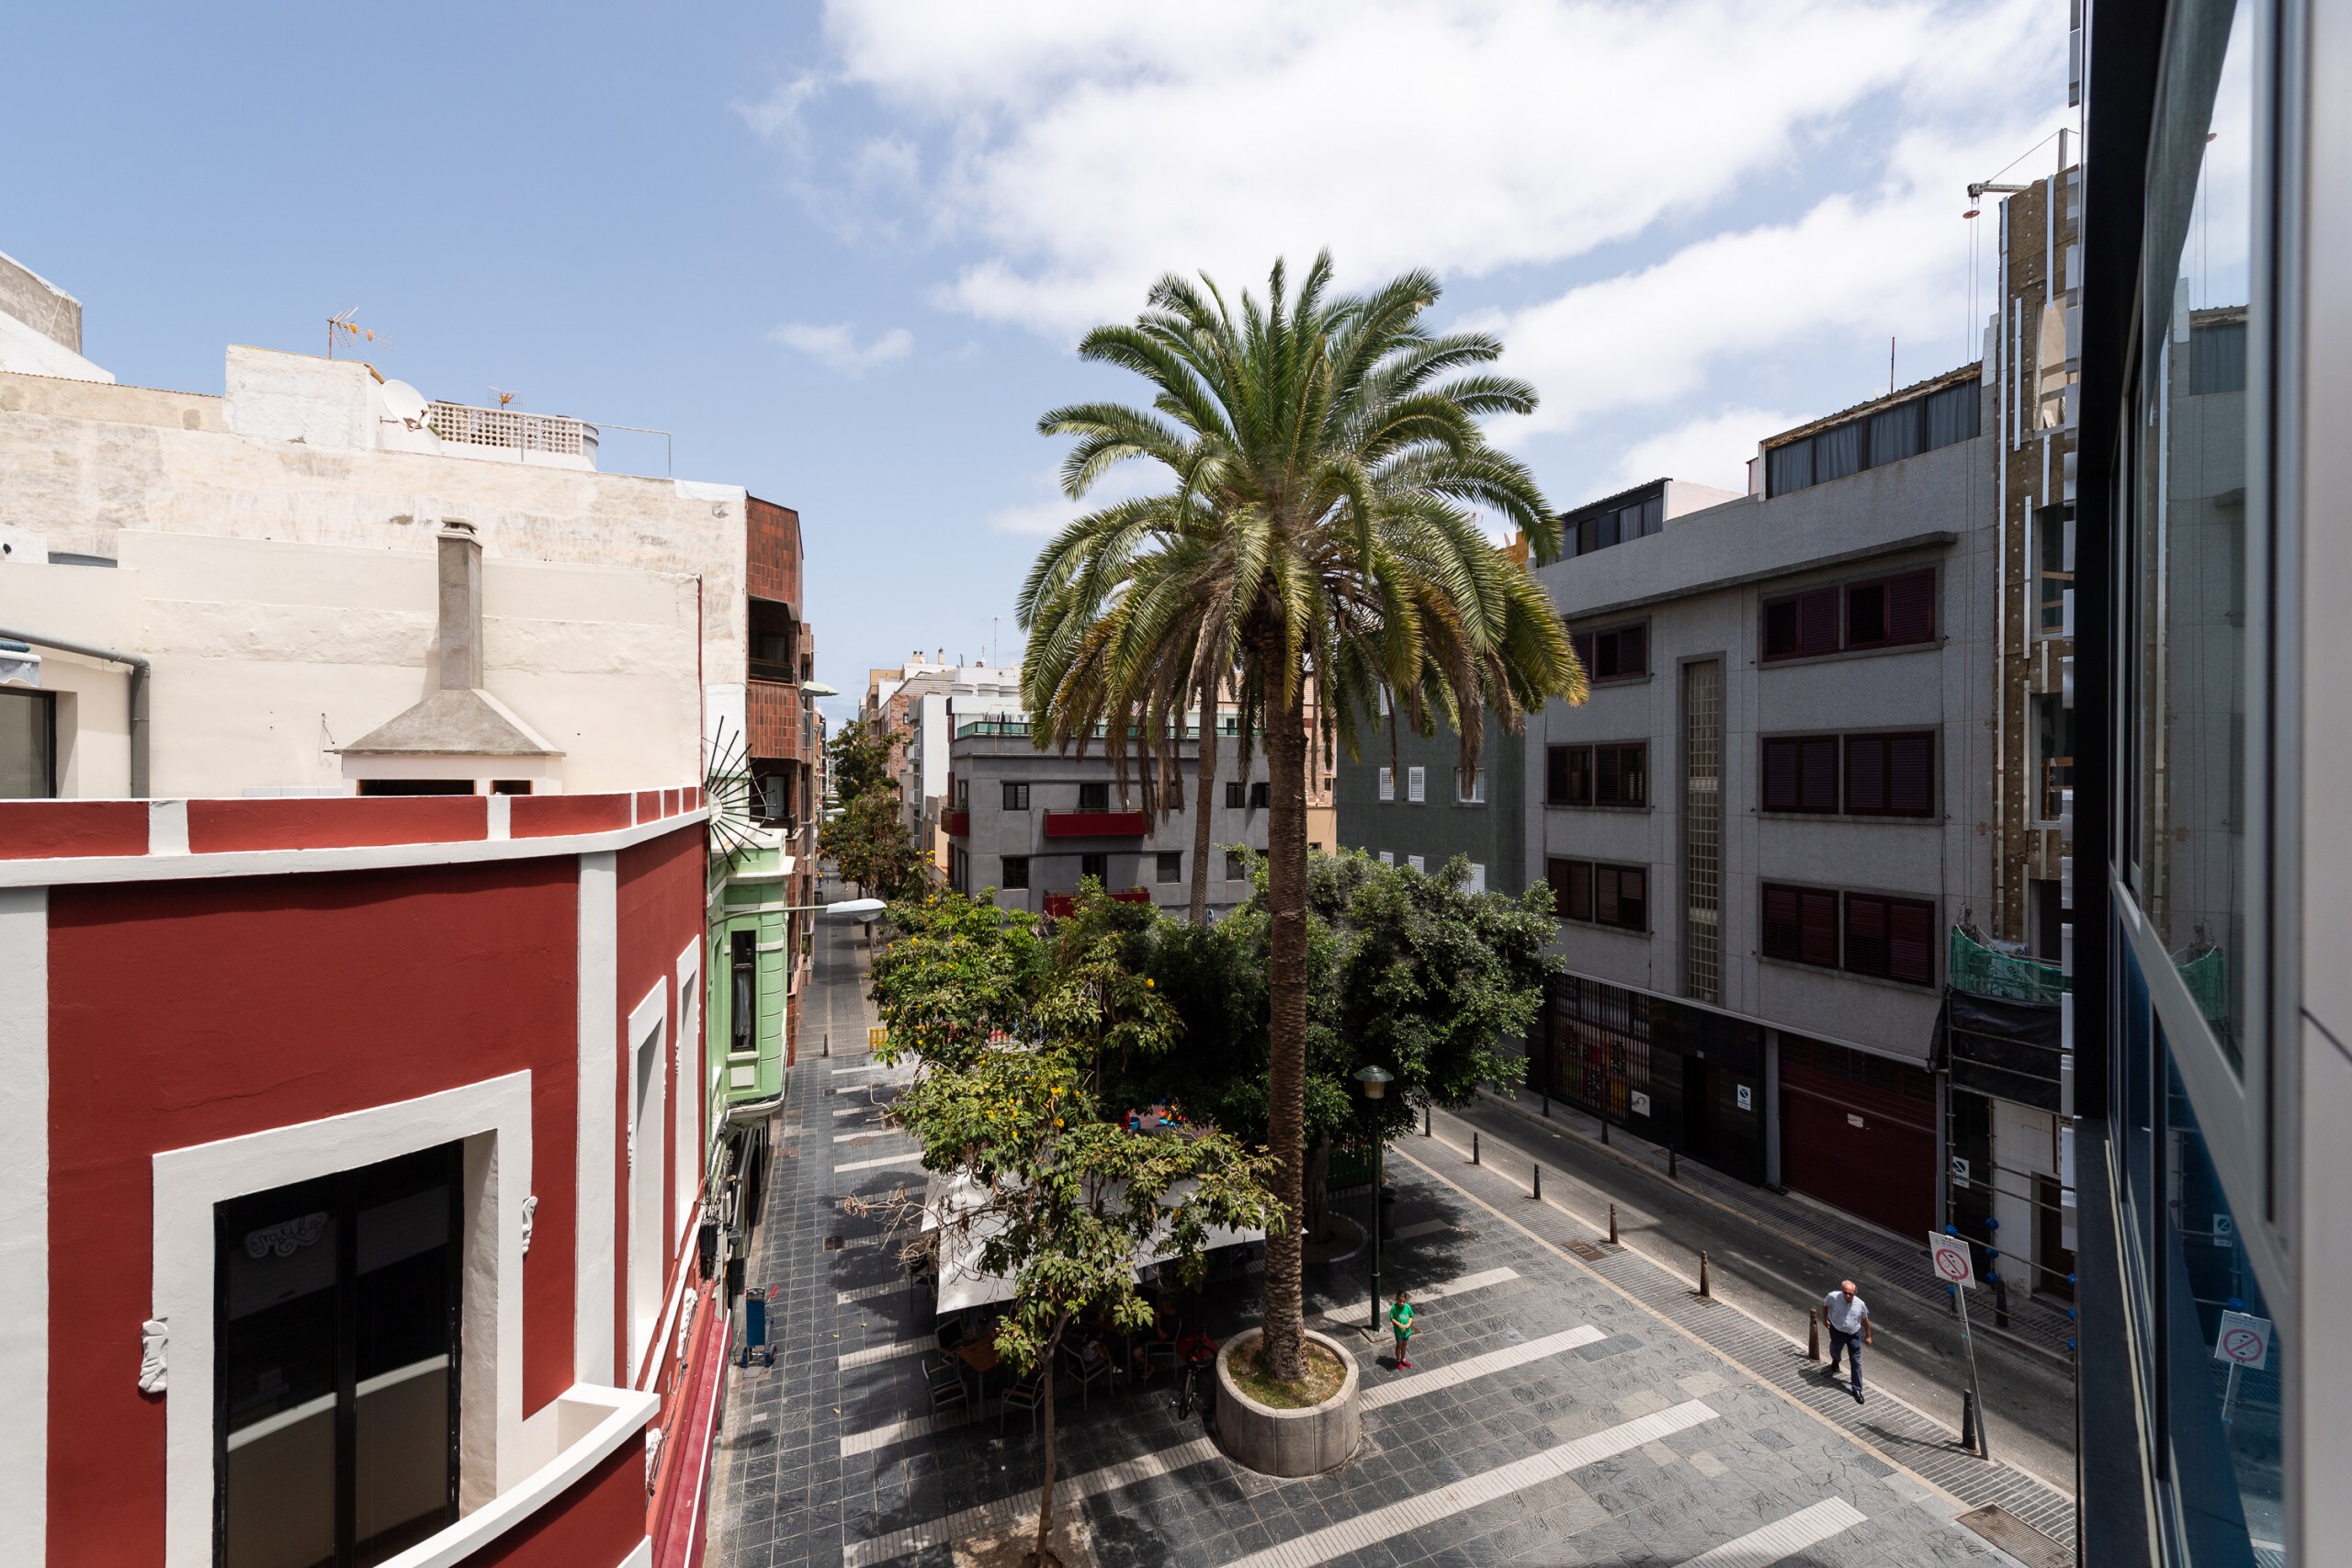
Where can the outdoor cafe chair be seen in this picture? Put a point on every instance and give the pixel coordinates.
(1029, 1393)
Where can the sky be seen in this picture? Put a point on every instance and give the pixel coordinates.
(844, 251)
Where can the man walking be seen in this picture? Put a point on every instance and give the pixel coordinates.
(1849, 1318)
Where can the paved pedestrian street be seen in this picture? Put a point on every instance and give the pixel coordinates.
(1551, 1415)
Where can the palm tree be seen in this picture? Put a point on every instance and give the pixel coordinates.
(1325, 457)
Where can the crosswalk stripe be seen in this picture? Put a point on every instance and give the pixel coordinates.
(874, 1354)
(1782, 1537)
(914, 1159)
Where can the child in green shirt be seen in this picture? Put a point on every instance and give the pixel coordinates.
(1400, 1322)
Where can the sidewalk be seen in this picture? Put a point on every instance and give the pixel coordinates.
(1840, 1243)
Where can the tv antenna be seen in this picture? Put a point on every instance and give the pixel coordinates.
(345, 324)
(505, 395)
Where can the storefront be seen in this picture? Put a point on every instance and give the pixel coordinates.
(1685, 1077)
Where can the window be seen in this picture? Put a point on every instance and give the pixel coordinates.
(28, 746)
(1260, 794)
(1477, 877)
(1891, 611)
(1388, 783)
(1893, 939)
(1801, 624)
(1890, 938)
(1801, 925)
(1416, 784)
(1475, 792)
(1170, 866)
(1388, 857)
(1614, 774)
(1800, 774)
(1236, 794)
(1237, 868)
(1585, 532)
(336, 1352)
(1016, 797)
(743, 993)
(1094, 797)
(1605, 894)
(1415, 862)
(963, 795)
(1097, 866)
(1875, 439)
(1890, 775)
(1016, 873)
(1617, 653)
(1557, 780)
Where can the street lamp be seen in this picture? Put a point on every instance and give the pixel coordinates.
(1375, 1081)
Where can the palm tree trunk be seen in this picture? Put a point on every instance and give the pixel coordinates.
(1285, 1327)
(1203, 803)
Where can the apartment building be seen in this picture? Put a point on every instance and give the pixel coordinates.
(1406, 802)
(1031, 825)
(1762, 822)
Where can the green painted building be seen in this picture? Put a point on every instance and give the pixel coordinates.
(750, 974)
(1418, 807)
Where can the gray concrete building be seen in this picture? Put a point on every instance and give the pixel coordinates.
(1031, 824)
(1409, 804)
(1761, 826)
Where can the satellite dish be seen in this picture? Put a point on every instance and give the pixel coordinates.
(403, 402)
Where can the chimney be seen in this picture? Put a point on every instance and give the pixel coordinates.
(460, 628)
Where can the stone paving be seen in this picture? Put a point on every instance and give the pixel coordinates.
(1551, 1415)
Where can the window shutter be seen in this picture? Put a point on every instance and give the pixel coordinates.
(1865, 934)
(1783, 926)
(1911, 775)
(1911, 953)
(1605, 771)
(1632, 899)
(1632, 773)
(1818, 788)
(1817, 914)
(1780, 775)
(1780, 628)
(1578, 899)
(1634, 651)
(1866, 774)
(1581, 775)
(1817, 621)
(1911, 607)
(1555, 775)
(1604, 895)
(1582, 643)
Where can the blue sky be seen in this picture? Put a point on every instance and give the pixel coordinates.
(843, 251)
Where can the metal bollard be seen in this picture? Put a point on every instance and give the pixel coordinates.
(1474, 1148)
(1612, 1225)
(1547, 1105)
(829, 1043)
(1813, 1334)
(2000, 1302)
(1425, 1123)
(1604, 1131)
(1702, 1275)
(1538, 1194)
(1968, 1421)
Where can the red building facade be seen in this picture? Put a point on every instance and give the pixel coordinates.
(352, 1161)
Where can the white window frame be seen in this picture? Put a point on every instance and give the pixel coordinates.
(1388, 783)
(1477, 877)
(1415, 862)
(1388, 857)
(1416, 784)
(645, 1067)
(1476, 794)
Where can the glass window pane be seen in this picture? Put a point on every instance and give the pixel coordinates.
(25, 746)
(1790, 467)
(277, 1370)
(2189, 717)
(1895, 434)
(2223, 1359)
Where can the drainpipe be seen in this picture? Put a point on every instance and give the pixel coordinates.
(139, 669)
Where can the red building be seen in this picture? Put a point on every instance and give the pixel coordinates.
(352, 1158)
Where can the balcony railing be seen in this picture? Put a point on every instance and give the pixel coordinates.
(1097, 824)
(959, 824)
(516, 432)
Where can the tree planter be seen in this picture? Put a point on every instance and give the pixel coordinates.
(1288, 1442)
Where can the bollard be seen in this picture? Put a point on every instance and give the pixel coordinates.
(1425, 1123)
(1813, 1335)
(1702, 1275)
(1673, 1163)
(1474, 1148)
(1612, 1225)
(1968, 1421)
(1538, 1194)
(1604, 1131)
(829, 1044)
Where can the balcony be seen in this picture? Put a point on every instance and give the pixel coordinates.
(566, 442)
(773, 721)
(958, 824)
(1097, 824)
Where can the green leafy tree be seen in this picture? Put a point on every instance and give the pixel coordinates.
(1054, 1191)
(869, 844)
(1326, 459)
(861, 761)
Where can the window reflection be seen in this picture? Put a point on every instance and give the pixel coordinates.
(2191, 551)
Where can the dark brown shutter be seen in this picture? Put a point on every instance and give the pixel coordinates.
(1865, 614)
(1581, 775)
(1634, 651)
(1911, 607)
(1866, 774)
(1818, 913)
(1911, 775)
(1865, 934)
(1780, 629)
(1784, 925)
(1632, 898)
(1582, 643)
(1575, 896)
(1781, 759)
(1604, 769)
(1817, 786)
(1604, 895)
(1817, 621)
(1555, 775)
(1910, 942)
(1632, 773)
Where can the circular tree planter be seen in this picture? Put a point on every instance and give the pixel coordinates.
(1288, 1442)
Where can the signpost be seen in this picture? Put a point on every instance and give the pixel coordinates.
(2244, 1343)
(1956, 1266)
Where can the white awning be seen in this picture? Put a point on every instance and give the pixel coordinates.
(963, 1283)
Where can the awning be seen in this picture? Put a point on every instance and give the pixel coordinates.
(963, 1282)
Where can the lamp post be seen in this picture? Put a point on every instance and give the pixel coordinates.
(1376, 1081)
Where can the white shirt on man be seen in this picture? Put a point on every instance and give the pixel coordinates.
(1845, 1314)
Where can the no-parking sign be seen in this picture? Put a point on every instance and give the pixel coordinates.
(2244, 1341)
(1954, 1263)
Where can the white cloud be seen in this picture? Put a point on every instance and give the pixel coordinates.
(1709, 450)
(836, 346)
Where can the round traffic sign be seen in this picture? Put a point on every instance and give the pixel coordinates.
(2242, 1344)
(1951, 1263)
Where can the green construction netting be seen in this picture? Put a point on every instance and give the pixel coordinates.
(1990, 973)
(2206, 975)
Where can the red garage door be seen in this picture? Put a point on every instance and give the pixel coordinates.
(1859, 1132)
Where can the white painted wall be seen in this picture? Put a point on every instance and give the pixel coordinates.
(268, 652)
(24, 1222)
